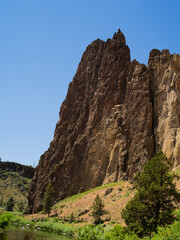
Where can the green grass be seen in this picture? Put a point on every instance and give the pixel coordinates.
(89, 232)
(178, 172)
(80, 195)
(48, 225)
(99, 232)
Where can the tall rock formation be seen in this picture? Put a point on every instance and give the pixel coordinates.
(116, 115)
(164, 69)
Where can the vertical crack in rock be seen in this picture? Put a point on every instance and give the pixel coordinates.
(153, 124)
(164, 69)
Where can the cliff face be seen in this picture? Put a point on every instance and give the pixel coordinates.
(164, 69)
(116, 115)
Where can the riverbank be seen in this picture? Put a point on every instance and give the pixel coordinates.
(89, 232)
(47, 225)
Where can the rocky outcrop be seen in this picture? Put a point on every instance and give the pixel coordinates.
(116, 115)
(164, 69)
(24, 171)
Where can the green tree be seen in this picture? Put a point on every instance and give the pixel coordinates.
(48, 198)
(1, 202)
(155, 198)
(98, 209)
(71, 217)
(10, 204)
(20, 206)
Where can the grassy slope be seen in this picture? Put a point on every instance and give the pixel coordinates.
(114, 202)
(14, 185)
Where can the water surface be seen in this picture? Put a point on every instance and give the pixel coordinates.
(24, 234)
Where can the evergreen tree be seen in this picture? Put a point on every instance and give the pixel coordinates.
(10, 204)
(48, 198)
(21, 206)
(1, 202)
(98, 209)
(71, 218)
(155, 198)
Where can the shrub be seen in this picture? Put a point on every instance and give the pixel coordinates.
(5, 220)
(90, 232)
(116, 233)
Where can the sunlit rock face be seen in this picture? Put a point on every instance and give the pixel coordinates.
(116, 115)
(164, 69)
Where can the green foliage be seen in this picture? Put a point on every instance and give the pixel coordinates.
(55, 219)
(20, 206)
(14, 185)
(90, 232)
(71, 217)
(21, 222)
(171, 232)
(1, 202)
(10, 204)
(80, 195)
(58, 228)
(154, 201)
(116, 233)
(46, 225)
(98, 209)
(5, 220)
(98, 232)
(48, 198)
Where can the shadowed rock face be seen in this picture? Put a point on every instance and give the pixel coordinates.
(116, 115)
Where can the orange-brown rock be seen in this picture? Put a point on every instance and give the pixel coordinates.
(116, 114)
(164, 69)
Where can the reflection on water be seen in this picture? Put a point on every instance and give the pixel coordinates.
(19, 234)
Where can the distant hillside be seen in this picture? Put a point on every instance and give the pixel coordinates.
(23, 170)
(15, 182)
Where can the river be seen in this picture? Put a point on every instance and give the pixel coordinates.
(20, 234)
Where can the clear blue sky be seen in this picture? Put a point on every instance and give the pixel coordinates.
(41, 44)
